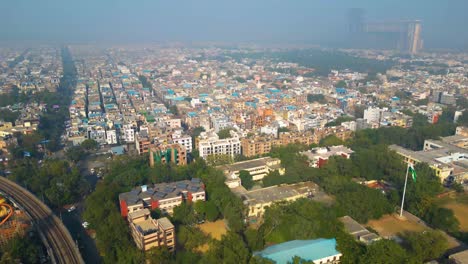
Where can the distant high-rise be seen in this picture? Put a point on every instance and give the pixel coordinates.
(404, 36)
(356, 20)
(414, 40)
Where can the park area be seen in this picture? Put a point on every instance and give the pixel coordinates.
(458, 203)
(214, 229)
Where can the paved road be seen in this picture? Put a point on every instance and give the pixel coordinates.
(54, 234)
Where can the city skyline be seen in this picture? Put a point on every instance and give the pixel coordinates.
(298, 22)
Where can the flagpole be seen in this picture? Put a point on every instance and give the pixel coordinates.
(404, 190)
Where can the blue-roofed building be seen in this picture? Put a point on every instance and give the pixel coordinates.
(341, 91)
(187, 85)
(317, 250)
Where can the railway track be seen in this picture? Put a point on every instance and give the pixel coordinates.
(58, 240)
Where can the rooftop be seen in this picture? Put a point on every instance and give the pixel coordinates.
(278, 193)
(162, 191)
(309, 250)
(248, 164)
(165, 223)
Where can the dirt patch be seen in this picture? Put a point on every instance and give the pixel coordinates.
(461, 213)
(215, 229)
(391, 225)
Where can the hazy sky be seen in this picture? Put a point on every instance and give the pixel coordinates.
(445, 22)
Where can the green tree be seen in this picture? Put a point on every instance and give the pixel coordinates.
(341, 84)
(320, 98)
(246, 179)
(225, 133)
(191, 237)
(384, 252)
(219, 159)
(90, 144)
(330, 140)
(75, 153)
(184, 214)
(442, 218)
(425, 246)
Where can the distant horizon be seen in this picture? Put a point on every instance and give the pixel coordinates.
(275, 22)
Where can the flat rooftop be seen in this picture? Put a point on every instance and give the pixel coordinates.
(278, 193)
(248, 164)
(165, 223)
(147, 226)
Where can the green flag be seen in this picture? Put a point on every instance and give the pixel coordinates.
(413, 172)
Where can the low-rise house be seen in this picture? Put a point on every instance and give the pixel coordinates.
(164, 196)
(318, 157)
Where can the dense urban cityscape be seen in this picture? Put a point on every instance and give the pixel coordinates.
(217, 152)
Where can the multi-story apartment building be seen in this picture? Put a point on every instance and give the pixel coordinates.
(164, 196)
(168, 153)
(183, 140)
(260, 145)
(149, 233)
(128, 133)
(215, 146)
(142, 144)
(111, 137)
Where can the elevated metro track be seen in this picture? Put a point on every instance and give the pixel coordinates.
(54, 234)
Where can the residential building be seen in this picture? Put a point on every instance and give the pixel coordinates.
(164, 196)
(216, 146)
(142, 144)
(183, 140)
(111, 137)
(318, 157)
(168, 153)
(129, 133)
(149, 233)
(372, 115)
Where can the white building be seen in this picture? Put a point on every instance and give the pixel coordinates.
(111, 137)
(214, 146)
(129, 133)
(185, 141)
(372, 115)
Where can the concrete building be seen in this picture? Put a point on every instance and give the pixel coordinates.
(168, 153)
(149, 233)
(111, 137)
(359, 232)
(142, 144)
(174, 123)
(128, 133)
(317, 251)
(164, 196)
(445, 157)
(216, 146)
(372, 115)
(258, 200)
(258, 168)
(183, 140)
(318, 157)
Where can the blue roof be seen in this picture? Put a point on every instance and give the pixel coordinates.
(309, 250)
(118, 150)
(341, 90)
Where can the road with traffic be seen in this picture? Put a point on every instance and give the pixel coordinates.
(54, 235)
